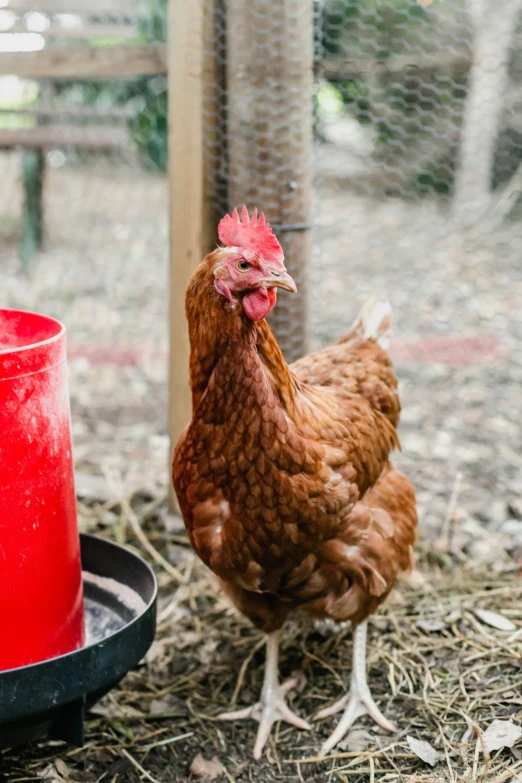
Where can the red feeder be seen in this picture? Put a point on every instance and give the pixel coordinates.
(41, 602)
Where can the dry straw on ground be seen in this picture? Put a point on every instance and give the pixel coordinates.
(440, 665)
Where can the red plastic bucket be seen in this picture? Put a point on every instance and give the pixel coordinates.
(41, 601)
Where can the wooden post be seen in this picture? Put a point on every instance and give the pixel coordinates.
(186, 190)
(269, 81)
(192, 79)
(495, 27)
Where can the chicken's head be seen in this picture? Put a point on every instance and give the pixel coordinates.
(250, 267)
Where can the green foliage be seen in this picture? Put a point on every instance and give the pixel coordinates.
(401, 105)
(153, 25)
(15, 95)
(436, 179)
(146, 95)
(376, 28)
(149, 94)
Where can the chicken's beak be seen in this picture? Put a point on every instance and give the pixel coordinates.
(282, 280)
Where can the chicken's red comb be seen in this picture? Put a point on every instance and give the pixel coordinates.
(253, 234)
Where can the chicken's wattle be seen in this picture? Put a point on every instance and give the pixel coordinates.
(258, 303)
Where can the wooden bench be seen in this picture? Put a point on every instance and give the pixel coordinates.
(66, 29)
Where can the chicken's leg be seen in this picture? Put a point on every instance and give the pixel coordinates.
(358, 701)
(272, 706)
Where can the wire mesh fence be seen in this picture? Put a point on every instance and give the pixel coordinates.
(383, 138)
(402, 92)
(417, 185)
(416, 126)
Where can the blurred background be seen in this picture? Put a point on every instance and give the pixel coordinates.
(383, 138)
(389, 156)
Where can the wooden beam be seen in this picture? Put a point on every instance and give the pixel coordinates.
(85, 8)
(89, 32)
(350, 67)
(52, 136)
(103, 62)
(270, 74)
(186, 175)
(84, 32)
(116, 114)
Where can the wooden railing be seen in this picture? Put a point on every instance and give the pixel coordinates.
(74, 58)
(103, 62)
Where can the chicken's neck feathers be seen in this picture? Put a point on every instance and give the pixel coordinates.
(220, 333)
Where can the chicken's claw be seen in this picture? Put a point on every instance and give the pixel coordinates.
(267, 712)
(272, 705)
(357, 702)
(355, 705)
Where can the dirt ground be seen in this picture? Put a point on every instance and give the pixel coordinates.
(437, 665)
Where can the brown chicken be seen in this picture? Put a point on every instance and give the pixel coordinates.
(283, 475)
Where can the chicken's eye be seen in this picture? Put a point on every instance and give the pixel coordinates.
(243, 265)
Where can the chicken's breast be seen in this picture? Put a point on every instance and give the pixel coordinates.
(349, 576)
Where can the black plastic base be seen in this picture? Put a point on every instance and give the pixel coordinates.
(50, 698)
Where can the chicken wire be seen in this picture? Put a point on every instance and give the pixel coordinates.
(418, 149)
(384, 140)
(412, 193)
(392, 115)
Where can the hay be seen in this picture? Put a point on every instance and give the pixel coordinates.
(438, 670)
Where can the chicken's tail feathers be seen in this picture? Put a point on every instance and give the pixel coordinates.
(374, 322)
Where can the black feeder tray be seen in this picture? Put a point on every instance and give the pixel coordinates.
(51, 698)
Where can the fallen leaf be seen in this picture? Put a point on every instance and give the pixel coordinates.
(158, 707)
(356, 741)
(168, 705)
(453, 617)
(423, 779)
(431, 625)
(62, 768)
(494, 619)
(115, 711)
(423, 750)
(51, 774)
(189, 639)
(208, 770)
(501, 734)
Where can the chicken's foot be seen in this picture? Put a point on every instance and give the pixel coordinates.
(358, 701)
(272, 706)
